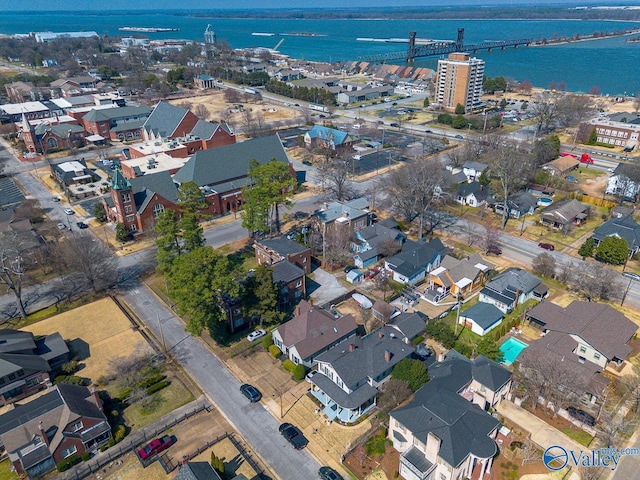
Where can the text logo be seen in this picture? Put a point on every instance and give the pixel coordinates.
(555, 458)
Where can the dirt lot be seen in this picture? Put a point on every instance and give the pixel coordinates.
(97, 333)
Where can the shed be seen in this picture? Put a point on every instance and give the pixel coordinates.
(481, 318)
(354, 276)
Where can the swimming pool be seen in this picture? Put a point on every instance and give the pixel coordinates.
(510, 349)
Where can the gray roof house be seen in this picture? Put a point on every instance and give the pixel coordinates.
(197, 471)
(473, 194)
(354, 214)
(67, 420)
(564, 213)
(457, 277)
(445, 432)
(415, 260)
(511, 288)
(26, 362)
(349, 373)
(311, 332)
(473, 170)
(520, 204)
(625, 227)
(371, 243)
(481, 318)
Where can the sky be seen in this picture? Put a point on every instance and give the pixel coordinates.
(74, 5)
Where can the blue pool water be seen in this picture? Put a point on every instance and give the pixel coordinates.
(510, 349)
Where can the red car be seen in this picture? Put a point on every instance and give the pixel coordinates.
(547, 246)
(156, 446)
(373, 272)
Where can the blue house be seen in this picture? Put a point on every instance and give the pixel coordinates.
(324, 137)
(374, 242)
(415, 260)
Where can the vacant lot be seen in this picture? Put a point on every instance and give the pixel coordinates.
(96, 333)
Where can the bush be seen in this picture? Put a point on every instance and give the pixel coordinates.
(157, 387)
(299, 372)
(119, 433)
(376, 445)
(152, 380)
(85, 456)
(288, 365)
(274, 351)
(69, 379)
(267, 341)
(412, 372)
(217, 463)
(67, 463)
(69, 367)
(418, 340)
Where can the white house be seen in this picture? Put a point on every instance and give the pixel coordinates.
(481, 318)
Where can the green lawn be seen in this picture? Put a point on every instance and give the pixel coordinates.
(5, 471)
(164, 401)
(580, 436)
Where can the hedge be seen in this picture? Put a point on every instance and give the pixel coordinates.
(152, 380)
(288, 365)
(418, 340)
(274, 351)
(119, 433)
(299, 372)
(158, 386)
(67, 463)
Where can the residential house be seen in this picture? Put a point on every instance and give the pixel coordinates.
(291, 281)
(473, 170)
(473, 194)
(354, 276)
(511, 288)
(375, 242)
(270, 251)
(138, 202)
(444, 433)
(457, 277)
(561, 166)
(565, 213)
(27, 363)
(73, 172)
(353, 215)
(325, 137)
(481, 318)
(520, 204)
(621, 182)
(312, 332)
(222, 172)
(197, 471)
(620, 211)
(74, 86)
(415, 260)
(600, 333)
(383, 311)
(625, 227)
(407, 326)
(350, 373)
(66, 421)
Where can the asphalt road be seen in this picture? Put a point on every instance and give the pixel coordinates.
(253, 421)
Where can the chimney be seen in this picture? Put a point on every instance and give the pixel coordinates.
(387, 355)
(297, 311)
(310, 301)
(45, 439)
(380, 334)
(96, 397)
(352, 347)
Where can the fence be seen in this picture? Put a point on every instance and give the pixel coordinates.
(598, 202)
(85, 469)
(169, 466)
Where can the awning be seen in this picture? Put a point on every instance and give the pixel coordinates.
(94, 138)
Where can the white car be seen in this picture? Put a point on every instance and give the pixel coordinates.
(68, 211)
(357, 126)
(61, 226)
(357, 157)
(253, 336)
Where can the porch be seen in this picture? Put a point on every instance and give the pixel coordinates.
(340, 405)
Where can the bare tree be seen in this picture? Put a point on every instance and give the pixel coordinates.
(91, 260)
(491, 237)
(572, 109)
(394, 392)
(612, 428)
(12, 267)
(545, 108)
(595, 281)
(128, 369)
(511, 169)
(544, 264)
(389, 247)
(631, 382)
(429, 182)
(335, 175)
(397, 185)
(201, 111)
(337, 245)
(636, 103)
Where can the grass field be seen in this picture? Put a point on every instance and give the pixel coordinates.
(97, 333)
(5, 471)
(580, 436)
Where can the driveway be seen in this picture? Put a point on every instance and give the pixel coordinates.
(253, 421)
(329, 288)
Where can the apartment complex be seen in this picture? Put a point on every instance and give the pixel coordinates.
(459, 81)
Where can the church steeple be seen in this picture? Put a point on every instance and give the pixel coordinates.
(119, 182)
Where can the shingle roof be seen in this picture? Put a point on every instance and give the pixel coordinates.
(474, 188)
(565, 211)
(315, 329)
(410, 325)
(15, 340)
(220, 166)
(625, 227)
(197, 471)
(346, 400)
(335, 210)
(415, 256)
(204, 130)
(164, 119)
(602, 326)
(328, 134)
(513, 280)
(59, 129)
(475, 165)
(483, 314)
(283, 245)
(157, 183)
(108, 114)
(286, 272)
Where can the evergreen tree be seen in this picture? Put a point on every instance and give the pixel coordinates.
(613, 250)
(412, 372)
(459, 109)
(489, 348)
(587, 248)
(122, 234)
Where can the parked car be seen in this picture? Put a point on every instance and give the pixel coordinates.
(82, 225)
(156, 446)
(328, 473)
(251, 392)
(293, 435)
(397, 125)
(494, 249)
(310, 375)
(372, 273)
(55, 199)
(547, 246)
(348, 268)
(635, 276)
(458, 136)
(253, 336)
(68, 211)
(581, 415)
(62, 226)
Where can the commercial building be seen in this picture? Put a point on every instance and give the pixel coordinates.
(459, 82)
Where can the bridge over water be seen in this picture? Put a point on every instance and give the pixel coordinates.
(441, 48)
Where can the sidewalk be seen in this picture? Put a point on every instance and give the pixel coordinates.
(542, 434)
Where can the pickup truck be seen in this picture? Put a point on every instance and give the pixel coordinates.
(293, 435)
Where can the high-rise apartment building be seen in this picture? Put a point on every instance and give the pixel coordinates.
(459, 81)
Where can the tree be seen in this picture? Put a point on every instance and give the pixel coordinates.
(491, 237)
(459, 109)
(335, 177)
(510, 169)
(587, 248)
(394, 392)
(426, 103)
(544, 264)
(270, 186)
(489, 348)
(201, 112)
(12, 267)
(336, 248)
(261, 295)
(122, 234)
(413, 372)
(546, 149)
(613, 250)
(169, 242)
(595, 281)
(199, 282)
(99, 212)
(91, 260)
